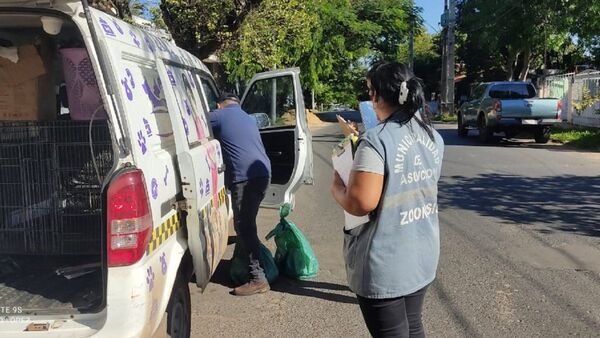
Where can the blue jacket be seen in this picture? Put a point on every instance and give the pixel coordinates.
(243, 150)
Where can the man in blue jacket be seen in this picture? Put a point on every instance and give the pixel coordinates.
(247, 176)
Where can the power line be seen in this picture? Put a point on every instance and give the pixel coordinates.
(434, 29)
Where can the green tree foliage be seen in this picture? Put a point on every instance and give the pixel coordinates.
(508, 38)
(333, 42)
(203, 26)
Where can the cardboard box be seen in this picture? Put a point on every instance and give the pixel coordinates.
(26, 91)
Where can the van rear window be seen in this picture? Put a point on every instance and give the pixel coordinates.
(512, 91)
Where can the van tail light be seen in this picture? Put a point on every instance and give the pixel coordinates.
(129, 219)
(498, 106)
(559, 108)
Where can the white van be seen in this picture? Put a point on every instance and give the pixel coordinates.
(111, 186)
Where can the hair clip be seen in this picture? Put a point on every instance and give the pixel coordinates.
(403, 93)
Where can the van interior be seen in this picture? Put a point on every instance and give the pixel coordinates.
(55, 153)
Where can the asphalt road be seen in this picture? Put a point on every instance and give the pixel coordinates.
(520, 227)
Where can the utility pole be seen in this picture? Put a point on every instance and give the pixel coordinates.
(411, 47)
(443, 84)
(451, 39)
(411, 38)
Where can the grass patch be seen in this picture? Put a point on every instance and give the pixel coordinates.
(446, 118)
(588, 139)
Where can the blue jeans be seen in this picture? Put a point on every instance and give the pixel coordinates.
(245, 199)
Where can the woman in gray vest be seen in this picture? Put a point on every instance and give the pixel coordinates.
(392, 259)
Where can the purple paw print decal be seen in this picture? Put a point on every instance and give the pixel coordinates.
(166, 178)
(128, 84)
(186, 127)
(188, 109)
(142, 142)
(171, 77)
(163, 263)
(106, 28)
(119, 29)
(150, 278)
(154, 188)
(135, 39)
(148, 128)
(207, 190)
(153, 93)
(150, 44)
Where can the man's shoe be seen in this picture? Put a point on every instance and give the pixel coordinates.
(252, 288)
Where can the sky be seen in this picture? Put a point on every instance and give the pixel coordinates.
(432, 11)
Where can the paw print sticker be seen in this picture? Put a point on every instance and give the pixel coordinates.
(150, 278)
(188, 109)
(166, 178)
(148, 128)
(150, 44)
(186, 127)
(128, 84)
(154, 188)
(119, 29)
(135, 39)
(163, 263)
(106, 28)
(142, 142)
(171, 78)
(207, 189)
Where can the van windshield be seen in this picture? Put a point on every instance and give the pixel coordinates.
(512, 91)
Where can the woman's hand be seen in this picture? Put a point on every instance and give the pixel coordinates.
(338, 183)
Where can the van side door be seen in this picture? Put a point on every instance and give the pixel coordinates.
(200, 168)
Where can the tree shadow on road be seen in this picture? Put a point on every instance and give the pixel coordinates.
(563, 203)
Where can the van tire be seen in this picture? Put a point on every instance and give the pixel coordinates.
(179, 311)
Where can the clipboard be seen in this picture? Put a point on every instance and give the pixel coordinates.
(342, 159)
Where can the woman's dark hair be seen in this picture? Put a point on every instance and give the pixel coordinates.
(386, 81)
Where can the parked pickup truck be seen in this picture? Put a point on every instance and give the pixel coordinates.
(510, 108)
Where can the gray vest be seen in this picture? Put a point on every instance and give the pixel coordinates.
(397, 252)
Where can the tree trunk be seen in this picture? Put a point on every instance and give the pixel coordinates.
(526, 64)
(510, 65)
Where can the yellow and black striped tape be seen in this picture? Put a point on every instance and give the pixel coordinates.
(164, 231)
(170, 226)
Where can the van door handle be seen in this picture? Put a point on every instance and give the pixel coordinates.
(221, 169)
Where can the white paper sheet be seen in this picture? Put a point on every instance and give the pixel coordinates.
(342, 163)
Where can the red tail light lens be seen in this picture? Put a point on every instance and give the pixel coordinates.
(559, 108)
(498, 106)
(129, 219)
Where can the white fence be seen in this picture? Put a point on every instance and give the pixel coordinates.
(580, 94)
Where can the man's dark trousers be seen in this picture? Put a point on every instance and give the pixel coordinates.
(246, 198)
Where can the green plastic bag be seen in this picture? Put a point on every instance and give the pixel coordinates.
(240, 265)
(294, 256)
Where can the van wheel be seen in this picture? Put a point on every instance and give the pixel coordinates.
(485, 133)
(179, 311)
(462, 129)
(542, 135)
